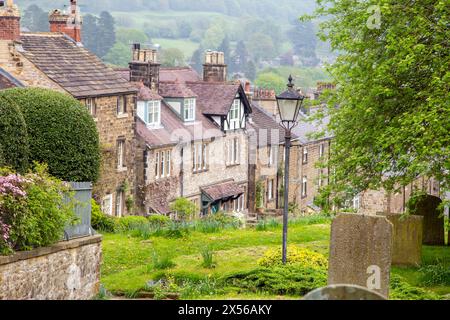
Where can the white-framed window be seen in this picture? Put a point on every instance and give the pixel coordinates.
(120, 154)
(163, 165)
(107, 204)
(121, 105)
(120, 195)
(199, 157)
(305, 155)
(91, 105)
(321, 150)
(272, 153)
(153, 113)
(305, 186)
(356, 202)
(270, 189)
(235, 114)
(233, 152)
(189, 109)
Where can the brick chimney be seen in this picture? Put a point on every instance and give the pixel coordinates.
(214, 68)
(9, 21)
(144, 67)
(68, 23)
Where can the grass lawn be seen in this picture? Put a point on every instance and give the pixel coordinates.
(127, 261)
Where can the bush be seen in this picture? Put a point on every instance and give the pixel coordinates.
(129, 223)
(433, 275)
(101, 221)
(34, 210)
(283, 280)
(158, 220)
(401, 290)
(14, 145)
(61, 133)
(295, 255)
(184, 208)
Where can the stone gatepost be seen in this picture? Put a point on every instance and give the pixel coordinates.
(360, 252)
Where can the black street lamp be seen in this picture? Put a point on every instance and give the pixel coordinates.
(289, 104)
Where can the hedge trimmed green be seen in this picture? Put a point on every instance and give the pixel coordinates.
(14, 147)
(61, 133)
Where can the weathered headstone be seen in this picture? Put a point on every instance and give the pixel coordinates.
(407, 239)
(360, 252)
(433, 219)
(343, 292)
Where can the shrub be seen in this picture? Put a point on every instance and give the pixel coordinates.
(208, 258)
(129, 223)
(184, 208)
(295, 255)
(101, 221)
(34, 210)
(176, 230)
(158, 220)
(401, 290)
(14, 145)
(438, 274)
(216, 222)
(162, 262)
(283, 280)
(61, 133)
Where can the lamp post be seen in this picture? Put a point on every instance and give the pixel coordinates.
(289, 104)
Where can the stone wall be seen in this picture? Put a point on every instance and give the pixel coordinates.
(65, 271)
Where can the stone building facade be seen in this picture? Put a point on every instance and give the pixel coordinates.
(56, 61)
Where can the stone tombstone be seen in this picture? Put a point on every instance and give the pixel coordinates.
(343, 292)
(433, 220)
(360, 252)
(407, 239)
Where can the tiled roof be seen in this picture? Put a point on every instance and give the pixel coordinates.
(183, 74)
(306, 129)
(7, 81)
(175, 89)
(223, 190)
(215, 98)
(73, 67)
(145, 94)
(266, 127)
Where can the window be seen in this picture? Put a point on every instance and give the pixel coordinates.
(271, 156)
(153, 113)
(189, 110)
(119, 203)
(235, 114)
(120, 154)
(91, 106)
(320, 181)
(321, 150)
(163, 164)
(233, 152)
(305, 186)
(121, 105)
(200, 157)
(356, 203)
(305, 155)
(270, 190)
(107, 205)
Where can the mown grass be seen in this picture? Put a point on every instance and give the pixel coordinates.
(127, 264)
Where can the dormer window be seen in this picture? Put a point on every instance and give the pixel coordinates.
(150, 112)
(189, 109)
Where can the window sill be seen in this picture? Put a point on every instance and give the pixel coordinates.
(233, 165)
(200, 171)
(122, 116)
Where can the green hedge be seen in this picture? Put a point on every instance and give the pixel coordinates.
(14, 147)
(61, 132)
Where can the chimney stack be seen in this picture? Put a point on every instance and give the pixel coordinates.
(9, 21)
(144, 67)
(70, 24)
(214, 68)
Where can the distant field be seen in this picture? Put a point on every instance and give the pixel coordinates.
(188, 47)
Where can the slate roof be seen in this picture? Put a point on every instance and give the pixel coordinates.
(182, 74)
(265, 126)
(7, 81)
(71, 66)
(306, 128)
(145, 94)
(176, 89)
(223, 190)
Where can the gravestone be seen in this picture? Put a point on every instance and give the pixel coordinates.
(407, 239)
(343, 292)
(360, 252)
(433, 219)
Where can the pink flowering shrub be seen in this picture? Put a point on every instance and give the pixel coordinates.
(34, 209)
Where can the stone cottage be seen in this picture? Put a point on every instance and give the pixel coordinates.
(57, 60)
(191, 134)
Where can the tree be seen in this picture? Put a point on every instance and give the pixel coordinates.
(184, 29)
(197, 60)
(184, 208)
(172, 57)
(262, 47)
(35, 19)
(225, 48)
(90, 33)
(106, 33)
(250, 71)
(119, 55)
(128, 36)
(61, 133)
(304, 40)
(240, 58)
(213, 37)
(270, 80)
(392, 122)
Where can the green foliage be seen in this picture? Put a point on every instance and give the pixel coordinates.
(36, 210)
(99, 34)
(208, 258)
(394, 80)
(216, 222)
(260, 195)
(438, 274)
(35, 19)
(158, 220)
(128, 223)
(401, 290)
(271, 80)
(127, 36)
(285, 280)
(265, 225)
(14, 144)
(101, 221)
(172, 57)
(295, 256)
(162, 261)
(119, 55)
(184, 208)
(61, 133)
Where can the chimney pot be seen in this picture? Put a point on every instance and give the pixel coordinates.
(69, 24)
(214, 69)
(9, 21)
